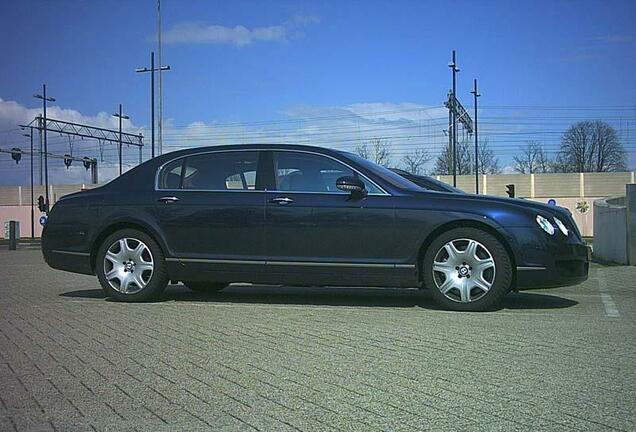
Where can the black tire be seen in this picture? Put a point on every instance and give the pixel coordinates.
(205, 287)
(502, 274)
(158, 279)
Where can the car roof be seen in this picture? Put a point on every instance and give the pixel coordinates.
(253, 146)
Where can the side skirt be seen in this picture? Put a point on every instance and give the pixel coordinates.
(293, 272)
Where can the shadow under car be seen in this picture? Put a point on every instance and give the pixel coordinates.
(333, 296)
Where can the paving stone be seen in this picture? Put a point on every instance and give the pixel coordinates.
(310, 359)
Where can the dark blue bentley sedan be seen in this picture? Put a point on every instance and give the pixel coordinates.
(288, 214)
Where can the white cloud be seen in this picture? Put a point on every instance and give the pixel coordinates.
(405, 126)
(13, 114)
(215, 34)
(239, 35)
(509, 169)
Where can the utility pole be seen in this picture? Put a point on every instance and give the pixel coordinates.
(94, 176)
(30, 135)
(121, 117)
(160, 79)
(450, 133)
(45, 99)
(476, 94)
(152, 70)
(40, 152)
(454, 69)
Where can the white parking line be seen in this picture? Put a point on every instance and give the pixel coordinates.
(610, 307)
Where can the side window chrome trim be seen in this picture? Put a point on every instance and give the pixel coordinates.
(210, 190)
(160, 169)
(322, 193)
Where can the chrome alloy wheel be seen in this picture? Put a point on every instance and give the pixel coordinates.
(128, 265)
(463, 270)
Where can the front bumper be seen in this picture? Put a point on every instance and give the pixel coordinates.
(549, 262)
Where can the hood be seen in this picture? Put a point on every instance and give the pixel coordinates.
(515, 202)
(526, 203)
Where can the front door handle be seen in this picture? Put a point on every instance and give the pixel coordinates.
(168, 199)
(281, 201)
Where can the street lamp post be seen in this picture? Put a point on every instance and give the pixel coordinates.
(152, 70)
(45, 99)
(121, 117)
(30, 135)
(454, 69)
(476, 94)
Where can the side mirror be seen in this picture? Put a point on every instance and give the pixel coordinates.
(351, 184)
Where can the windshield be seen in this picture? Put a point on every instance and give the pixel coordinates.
(444, 186)
(385, 174)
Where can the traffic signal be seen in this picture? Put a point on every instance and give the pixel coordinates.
(41, 204)
(510, 190)
(68, 160)
(87, 162)
(16, 154)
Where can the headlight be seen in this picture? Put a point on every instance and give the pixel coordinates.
(562, 227)
(545, 224)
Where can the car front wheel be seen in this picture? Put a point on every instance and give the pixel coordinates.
(131, 267)
(467, 269)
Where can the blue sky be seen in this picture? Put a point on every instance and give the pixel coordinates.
(291, 58)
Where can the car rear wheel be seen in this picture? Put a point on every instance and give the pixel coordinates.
(205, 287)
(131, 267)
(467, 269)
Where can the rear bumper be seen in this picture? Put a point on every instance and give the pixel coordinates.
(75, 262)
(61, 256)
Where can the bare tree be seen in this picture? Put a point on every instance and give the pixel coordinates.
(591, 146)
(444, 161)
(414, 161)
(488, 163)
(378, 151)
(533, 159)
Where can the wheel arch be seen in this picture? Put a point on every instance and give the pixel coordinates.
(465, 223)
(119, 225)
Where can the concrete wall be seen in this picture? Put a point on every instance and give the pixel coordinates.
(630, 202)
(610, 226)
(21, 214)
(565, 185)
(21, 195)
(575, 191)
(15, 204)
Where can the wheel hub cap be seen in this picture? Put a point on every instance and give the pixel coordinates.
(463, 270)
(128, 265)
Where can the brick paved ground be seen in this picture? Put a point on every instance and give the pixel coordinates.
(289, 359)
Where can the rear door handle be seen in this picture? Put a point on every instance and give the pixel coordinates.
(168, 199)
(281, 201)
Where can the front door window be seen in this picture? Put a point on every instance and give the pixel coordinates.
(306, 172)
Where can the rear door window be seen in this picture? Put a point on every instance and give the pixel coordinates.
(215, 171)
